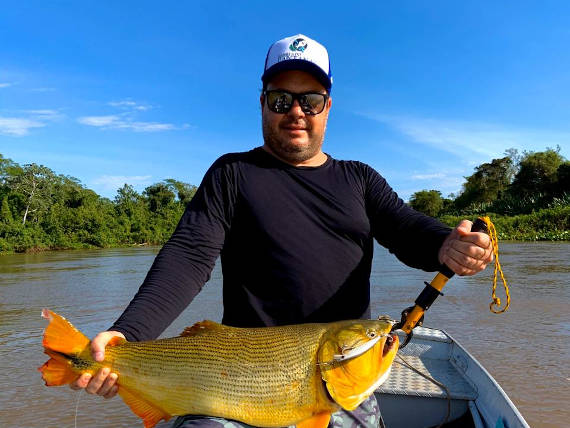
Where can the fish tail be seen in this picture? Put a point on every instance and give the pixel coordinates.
(62, 342)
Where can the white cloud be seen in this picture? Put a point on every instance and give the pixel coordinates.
(21, 126)
(122, 122)
(44, 114)
(113, 182)
(148, 126)
(127, 119)
(5, 84)
(129, 104)
(18, 126)
(427, 176)
(104, 121)
(473, 141)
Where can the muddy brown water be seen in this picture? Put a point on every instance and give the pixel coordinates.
(526, 349)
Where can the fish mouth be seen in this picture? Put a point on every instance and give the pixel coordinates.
(390, 344)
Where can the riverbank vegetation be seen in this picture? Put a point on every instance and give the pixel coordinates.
(526, 195)
(41, 210)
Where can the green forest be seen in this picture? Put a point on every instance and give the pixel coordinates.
(41, 210)
(526, 195)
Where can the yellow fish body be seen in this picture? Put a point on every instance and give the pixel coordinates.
(267, 377)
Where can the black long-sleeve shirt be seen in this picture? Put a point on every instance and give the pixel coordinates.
(296, 244)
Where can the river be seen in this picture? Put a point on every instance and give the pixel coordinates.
(526, 349)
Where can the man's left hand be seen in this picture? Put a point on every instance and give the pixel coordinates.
(466, 252)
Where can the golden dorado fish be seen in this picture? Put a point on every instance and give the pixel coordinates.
(266, 377)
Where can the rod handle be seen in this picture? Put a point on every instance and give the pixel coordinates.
(478, 226)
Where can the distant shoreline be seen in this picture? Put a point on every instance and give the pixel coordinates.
(546, 227)
(158, 246)
(547, 224)
(37, 250)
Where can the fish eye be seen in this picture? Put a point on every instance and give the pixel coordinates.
(371, 334)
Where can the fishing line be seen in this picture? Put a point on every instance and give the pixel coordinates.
(431, 379)
(77, 406)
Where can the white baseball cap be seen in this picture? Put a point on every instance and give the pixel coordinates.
(298, 52)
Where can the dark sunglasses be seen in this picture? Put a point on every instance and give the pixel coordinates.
(280, 101)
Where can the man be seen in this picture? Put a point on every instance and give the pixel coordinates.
(294, 228)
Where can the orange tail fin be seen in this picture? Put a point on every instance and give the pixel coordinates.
(60, 340)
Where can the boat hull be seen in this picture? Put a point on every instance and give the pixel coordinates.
(473, 393)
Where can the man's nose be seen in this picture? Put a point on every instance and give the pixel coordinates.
(296, 109)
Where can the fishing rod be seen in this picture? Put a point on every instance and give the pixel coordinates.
(414, 315)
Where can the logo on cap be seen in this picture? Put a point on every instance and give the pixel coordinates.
(298, 45)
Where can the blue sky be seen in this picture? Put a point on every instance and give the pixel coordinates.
(140, 91)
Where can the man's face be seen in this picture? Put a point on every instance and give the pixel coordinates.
(294, 137)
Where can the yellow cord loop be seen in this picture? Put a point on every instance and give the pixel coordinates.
(495, 243)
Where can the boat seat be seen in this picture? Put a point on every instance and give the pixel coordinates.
(429, 352)
(408, 399)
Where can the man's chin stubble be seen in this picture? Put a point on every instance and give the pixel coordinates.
(292, 153)
(285, 150)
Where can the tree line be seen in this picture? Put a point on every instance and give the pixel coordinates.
(527, 196)
(511, 185)
(44, 210)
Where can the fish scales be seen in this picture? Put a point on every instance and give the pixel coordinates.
(220, 366)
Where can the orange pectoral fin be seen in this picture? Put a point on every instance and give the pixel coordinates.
(320, 420)
(56, 373)
(149, 413)
(115, 341)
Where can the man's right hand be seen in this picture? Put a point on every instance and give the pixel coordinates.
(103, 382)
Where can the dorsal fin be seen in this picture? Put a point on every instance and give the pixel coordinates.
(200, 327)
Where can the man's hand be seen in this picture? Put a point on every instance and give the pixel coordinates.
(103, 383)
(466, 252)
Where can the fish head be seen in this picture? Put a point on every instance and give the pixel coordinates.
(355, 358)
